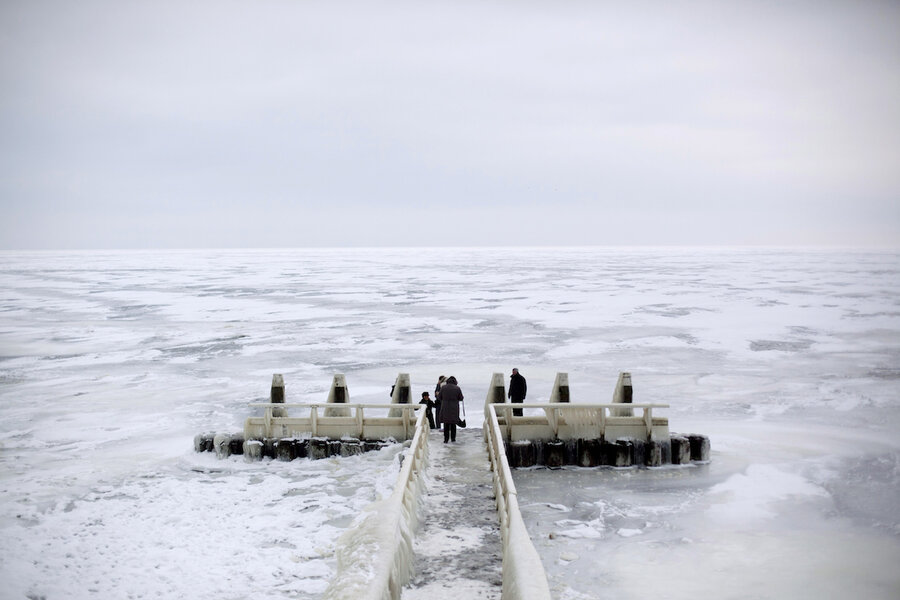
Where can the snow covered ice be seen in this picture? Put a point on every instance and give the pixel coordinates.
(110, 363)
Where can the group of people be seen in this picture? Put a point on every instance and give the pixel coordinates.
(448, 399)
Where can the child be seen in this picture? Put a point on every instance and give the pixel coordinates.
(428, 406)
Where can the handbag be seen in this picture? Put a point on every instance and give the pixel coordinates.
(462, 422)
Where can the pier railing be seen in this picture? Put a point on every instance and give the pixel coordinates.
(315, 423)
(524, 577)
(564, 421)
(375, 557)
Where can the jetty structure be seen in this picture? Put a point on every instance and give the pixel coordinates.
(376, 556)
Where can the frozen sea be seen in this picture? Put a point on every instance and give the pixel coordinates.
(110, 363)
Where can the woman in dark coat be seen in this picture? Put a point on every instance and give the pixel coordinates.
(451, 396)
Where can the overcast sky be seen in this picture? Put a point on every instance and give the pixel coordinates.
(277, 123)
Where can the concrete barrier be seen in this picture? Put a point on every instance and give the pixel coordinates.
(496, 391)
(338, 394)
(560, 391)
(277, 395)
(357, 425)
(623, 394)
(400, 394)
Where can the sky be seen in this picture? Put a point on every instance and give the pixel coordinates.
(293, 124)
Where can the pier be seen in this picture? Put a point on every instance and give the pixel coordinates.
(452, 526)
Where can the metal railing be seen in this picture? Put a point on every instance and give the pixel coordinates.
(375, 557)
(523, 573)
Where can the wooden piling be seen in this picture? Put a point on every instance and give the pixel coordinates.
(699, 447)
(554, 454)
(681, 450)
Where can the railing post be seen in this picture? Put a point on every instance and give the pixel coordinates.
(314, 420)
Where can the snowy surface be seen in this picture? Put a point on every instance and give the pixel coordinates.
(110, 362)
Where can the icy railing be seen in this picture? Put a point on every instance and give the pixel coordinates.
(375, 557)
(315, 424)
(568, 421)
(523, 573)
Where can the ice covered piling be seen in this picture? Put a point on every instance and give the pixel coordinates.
(335, 428)
(592, 435)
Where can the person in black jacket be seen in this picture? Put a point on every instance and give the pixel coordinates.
(518, 388)
(428, 406)
(451, 396)
(437, 400)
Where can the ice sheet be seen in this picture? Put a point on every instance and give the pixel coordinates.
(110, 362)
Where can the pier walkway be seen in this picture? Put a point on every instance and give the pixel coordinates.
(458, 550)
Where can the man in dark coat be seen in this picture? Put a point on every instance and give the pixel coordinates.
(451, 396)
(517, 390)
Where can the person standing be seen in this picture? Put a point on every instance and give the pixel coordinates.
(518, 388)
(437, 399)
(451, 396)
(428, 406)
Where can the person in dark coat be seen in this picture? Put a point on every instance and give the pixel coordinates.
(517, 390)
(437, 398)
(451, 396)
(428, 406)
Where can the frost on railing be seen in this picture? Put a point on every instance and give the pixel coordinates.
(523, 573)
(375, 556)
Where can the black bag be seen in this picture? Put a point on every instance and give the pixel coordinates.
(461, 422)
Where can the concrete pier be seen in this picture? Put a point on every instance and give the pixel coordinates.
(458, 551)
